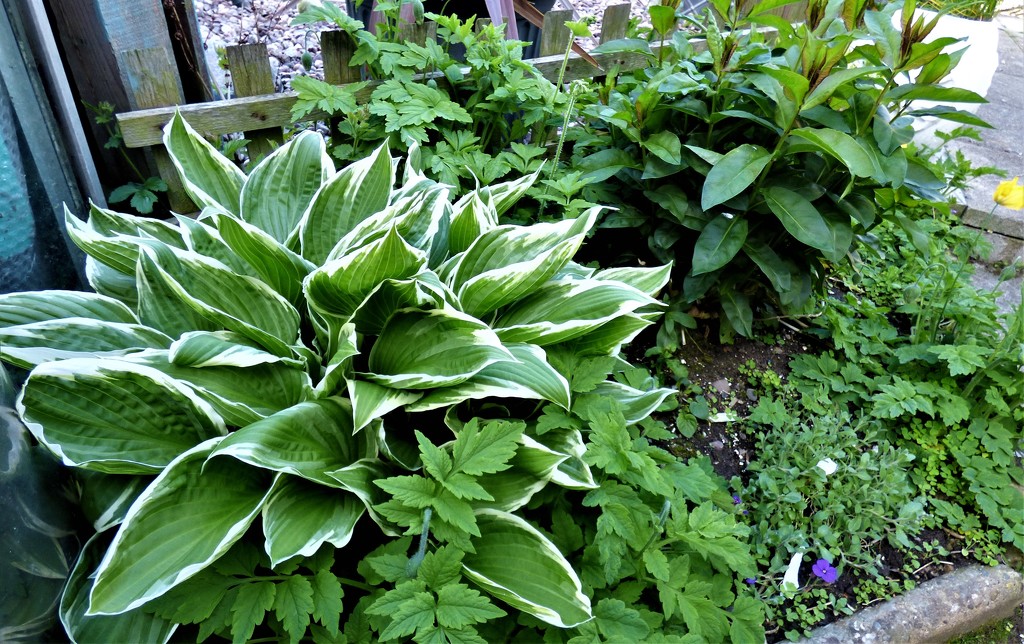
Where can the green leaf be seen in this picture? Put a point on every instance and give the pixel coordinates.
(736, 307)
(483, 451)
(279, 267)
(508, 262)
(515, 563)
(459, 605)
(530, 376)
(733, 174)
(204, 349)
(564, 309)
(831, 83)
(718, 243)
(299, 517)
(340, 287)
(307, 440)
(800, 218)
(250, 606)
(28, 345)
(840, 146)
(962, 359)
(773, 266)
(357, 191)
(132, 626)
(187, 517)
(371, 401)
(427, 349)
(414, 612)
(237, 303)
(620, 623)
(327, 594)
(77, 409)
(665, 146)
(42, 306)
(210, 178)
(293, 604)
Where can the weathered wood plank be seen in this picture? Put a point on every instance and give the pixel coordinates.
(251, 76)
(151, 80)
(555, 36)
(614, 22)
(145, 127)
(336, 48)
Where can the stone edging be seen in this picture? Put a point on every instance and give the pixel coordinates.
(936, 611)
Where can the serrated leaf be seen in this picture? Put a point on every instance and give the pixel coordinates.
(293, 604)
(327, 595)
(247, 611)
(459, 605)
(441, 567)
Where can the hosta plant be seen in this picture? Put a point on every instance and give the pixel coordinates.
(323, 361)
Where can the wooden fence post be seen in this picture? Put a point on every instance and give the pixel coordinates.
(251, 76)
(150, 80)
(555, 36)
(614, 22)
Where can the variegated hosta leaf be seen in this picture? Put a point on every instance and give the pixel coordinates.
(472, 215)
(358, 479)
(111, 283)
(649, 280)
(41, 306)
(572, 473)
(428, 349)
(160, 306)
(635, 404)
(531, 469)
(517, 564)
(188, 517)
(508, 262)
(133, 626)
(281, 187)
(423, 290)
(235, 302)
(371, 401)
(119, 252)
(506, 194)
(204, 239)
(221, 349)
(531, 377)
(421, 217)
(106, 498)
(565, 309)
(110, 223)
(340, 286)
(241, 395)
(340, 365)
(28, 345)
(608, 339)
(353, 194)
(300, 516)
(307, 440)
(114, 416)
(210, 178)
(279, 267)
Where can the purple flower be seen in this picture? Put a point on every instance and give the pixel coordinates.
(750, 580)
(736, 500)
(825, 571)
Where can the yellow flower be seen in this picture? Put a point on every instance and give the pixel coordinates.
(1009, 194)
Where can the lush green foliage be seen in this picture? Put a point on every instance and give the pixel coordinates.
(315, 351)
(793, 145)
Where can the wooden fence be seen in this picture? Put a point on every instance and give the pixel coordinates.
(262, 115)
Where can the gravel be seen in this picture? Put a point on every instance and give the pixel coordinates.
(238, 22)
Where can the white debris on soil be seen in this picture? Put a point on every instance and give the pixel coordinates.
(240, 22)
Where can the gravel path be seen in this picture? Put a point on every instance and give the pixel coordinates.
(233, 22)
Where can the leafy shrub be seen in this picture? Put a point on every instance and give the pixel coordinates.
(348, 361)
(793, 145)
